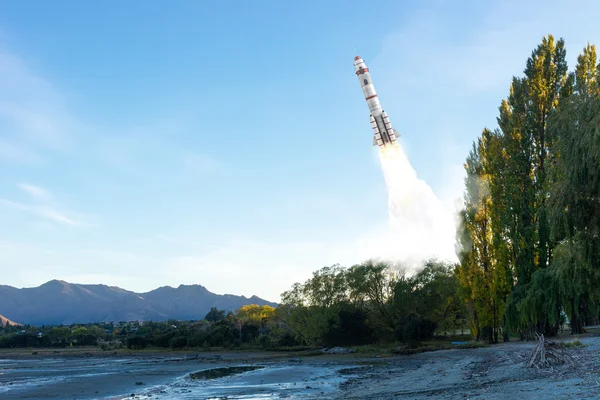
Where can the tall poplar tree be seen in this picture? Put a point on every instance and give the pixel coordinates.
(516, 162)
(575, 196)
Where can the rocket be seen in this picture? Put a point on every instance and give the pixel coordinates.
(384, 135)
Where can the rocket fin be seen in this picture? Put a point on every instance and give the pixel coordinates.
(396, 133)
(374, 141)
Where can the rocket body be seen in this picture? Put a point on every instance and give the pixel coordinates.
(384, 135)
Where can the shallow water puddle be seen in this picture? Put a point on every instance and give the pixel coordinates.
(254, 382)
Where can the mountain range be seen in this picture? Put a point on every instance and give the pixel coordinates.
(59, 302)
(5, 321)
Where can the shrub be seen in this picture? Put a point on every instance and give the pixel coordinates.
(264, 341)
(415, 328)
(178, 342)
(137, 342)
(163, 340)
(349, 328)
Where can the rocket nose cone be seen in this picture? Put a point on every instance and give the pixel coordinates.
(356, 58)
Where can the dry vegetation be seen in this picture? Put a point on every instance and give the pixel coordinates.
(548, 352)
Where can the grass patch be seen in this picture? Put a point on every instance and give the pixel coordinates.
(376, 348)
(216, 373)
(471, 345)
(455, 338)
(290, 349)
(309, 353)
(575, 343)
(433, 346)
(416, 350)
(449, 345)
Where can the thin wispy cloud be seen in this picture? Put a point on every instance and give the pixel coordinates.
(32, 112)
(46, 212)
(46, 209)
(57, 216)
(35, 191)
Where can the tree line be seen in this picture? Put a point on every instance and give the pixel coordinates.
(251, 324)
(371, 302)
(529, 240)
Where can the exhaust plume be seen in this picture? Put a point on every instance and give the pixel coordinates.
(420, 227)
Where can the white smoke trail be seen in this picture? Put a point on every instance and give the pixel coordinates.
(420, 227)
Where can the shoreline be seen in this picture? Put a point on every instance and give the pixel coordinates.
(492, 372)
(374, 352)
(220, 355)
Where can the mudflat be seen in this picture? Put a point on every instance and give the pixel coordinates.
(91, 374)
(494, 372)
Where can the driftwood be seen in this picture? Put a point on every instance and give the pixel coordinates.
(547, 352)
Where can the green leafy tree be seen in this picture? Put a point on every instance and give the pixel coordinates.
(528, 242)
(574, 196)
(215, 315)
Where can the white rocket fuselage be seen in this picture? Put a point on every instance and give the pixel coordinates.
(383, 133)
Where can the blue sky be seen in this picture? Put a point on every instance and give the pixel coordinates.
(145, 144)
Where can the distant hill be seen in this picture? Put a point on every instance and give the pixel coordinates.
(5, 321)
(59, 302)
